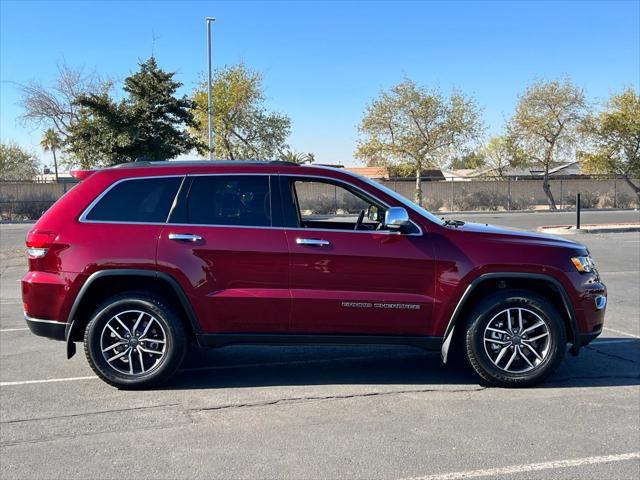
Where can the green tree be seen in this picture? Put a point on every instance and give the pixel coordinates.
(400, 170)
(414, 125)
(545, 125)
(149, 123)
(243, 128)
(501, 153)
(471, 160)
(16, 163)
(51, 141)
(615, 138)
(297, 157)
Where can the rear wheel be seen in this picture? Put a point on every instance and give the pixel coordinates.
(515, 339)
(134, 341)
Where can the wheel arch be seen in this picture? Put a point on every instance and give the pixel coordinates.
(100, 285)
(499, 280)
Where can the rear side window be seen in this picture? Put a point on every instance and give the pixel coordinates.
(144, 200)
(229, 200)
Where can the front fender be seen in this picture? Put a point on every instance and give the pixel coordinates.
(455, 316)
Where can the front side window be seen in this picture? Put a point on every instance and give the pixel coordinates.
(229, 200)
(142, 200)
(327, 205)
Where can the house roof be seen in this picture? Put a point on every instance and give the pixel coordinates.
(568, 168)
(370, 172)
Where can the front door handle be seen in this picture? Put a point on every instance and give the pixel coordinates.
(185, 237)
(313, 242)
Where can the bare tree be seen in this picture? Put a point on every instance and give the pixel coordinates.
(57, 106)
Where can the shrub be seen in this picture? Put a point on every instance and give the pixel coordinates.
(482, 200)
(322, 204)
(351, 204)
(28, 210)
(433, 204)
(622, 200)
(587, 199)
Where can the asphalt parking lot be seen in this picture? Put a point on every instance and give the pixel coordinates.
(328, 412)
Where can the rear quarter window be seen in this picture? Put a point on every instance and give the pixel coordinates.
(143, 200)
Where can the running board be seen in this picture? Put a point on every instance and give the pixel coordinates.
(223, 339)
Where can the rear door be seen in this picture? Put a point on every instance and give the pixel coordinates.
(347, 281)
(221, 246)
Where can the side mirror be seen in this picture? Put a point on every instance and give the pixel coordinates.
(397, 218)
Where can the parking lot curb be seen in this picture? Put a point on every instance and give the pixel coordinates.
(596, 228)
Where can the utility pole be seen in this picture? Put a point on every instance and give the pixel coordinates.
(209, 21)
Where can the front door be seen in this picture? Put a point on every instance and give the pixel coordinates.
(348, 275)
(221, 246)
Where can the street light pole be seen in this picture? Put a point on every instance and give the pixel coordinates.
(209, 20)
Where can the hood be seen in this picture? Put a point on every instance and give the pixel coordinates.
(508, 234)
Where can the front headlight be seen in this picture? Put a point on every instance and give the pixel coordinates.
(584, 264)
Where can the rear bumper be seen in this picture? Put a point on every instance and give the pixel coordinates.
(46, 328)
(49, 295)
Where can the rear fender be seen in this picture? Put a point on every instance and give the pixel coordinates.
(73, 327)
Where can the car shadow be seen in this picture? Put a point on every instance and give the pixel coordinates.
(615, 362)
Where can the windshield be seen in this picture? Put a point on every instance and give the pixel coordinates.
(405, 201)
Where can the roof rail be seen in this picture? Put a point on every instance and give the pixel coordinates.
(178, 163)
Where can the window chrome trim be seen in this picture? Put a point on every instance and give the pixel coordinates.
(83, 217)
(431, 217)
(365, 194)
(252, 174)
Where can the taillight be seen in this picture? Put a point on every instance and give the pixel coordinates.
(38, 243)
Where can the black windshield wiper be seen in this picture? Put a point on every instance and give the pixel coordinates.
(453, 223)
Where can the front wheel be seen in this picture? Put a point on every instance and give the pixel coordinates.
(134, 341)
(515, 339)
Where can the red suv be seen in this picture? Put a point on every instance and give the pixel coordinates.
(140, 260)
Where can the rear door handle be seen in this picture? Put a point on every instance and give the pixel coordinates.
(185, 237)
(313, 242)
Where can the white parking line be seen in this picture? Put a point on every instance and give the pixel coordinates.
(13, 329)
(530, 467)
(49, 380)
(616, 340)
(621, 332)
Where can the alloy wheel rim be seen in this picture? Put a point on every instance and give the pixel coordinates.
(517, 340)
(133, 342)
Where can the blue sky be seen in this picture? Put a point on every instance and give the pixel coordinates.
(325, 61)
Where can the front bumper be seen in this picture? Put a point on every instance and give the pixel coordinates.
(586, 338)
(46, 328)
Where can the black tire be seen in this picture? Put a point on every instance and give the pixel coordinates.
(476, 348)
(171, 326)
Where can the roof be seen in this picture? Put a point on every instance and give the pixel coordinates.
(184, 167)
(570, 168)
